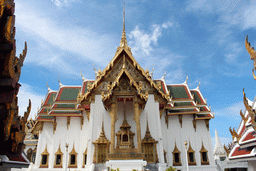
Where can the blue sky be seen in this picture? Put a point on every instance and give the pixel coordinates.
(203, 39)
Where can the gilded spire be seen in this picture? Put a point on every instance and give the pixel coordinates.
(123, 42)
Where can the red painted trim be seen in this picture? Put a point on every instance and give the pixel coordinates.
(200, 97)
(48, 97)
(240, 151)
(249, 136)
(242, 130)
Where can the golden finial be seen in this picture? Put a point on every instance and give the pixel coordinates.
(84, 79)
(198, 85)
(48, 86)
(163, 77)
(151, 73)
(123, 42)
(186, 81)
(60, 82)
(124, 17)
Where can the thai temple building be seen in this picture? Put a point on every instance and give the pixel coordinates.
(123, 119)
(221, 158)
(244, 140)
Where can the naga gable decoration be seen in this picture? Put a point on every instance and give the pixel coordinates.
(252, 54)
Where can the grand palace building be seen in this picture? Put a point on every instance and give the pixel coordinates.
(123, 119)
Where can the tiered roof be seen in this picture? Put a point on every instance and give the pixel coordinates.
(244, 139)
(71, 100)
(60, 103)
(186, 101)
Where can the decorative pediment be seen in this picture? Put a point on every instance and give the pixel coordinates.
(122, 63)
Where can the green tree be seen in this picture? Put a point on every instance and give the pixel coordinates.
(171, 169)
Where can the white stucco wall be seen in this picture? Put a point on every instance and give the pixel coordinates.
(178, 134)
(166, 137)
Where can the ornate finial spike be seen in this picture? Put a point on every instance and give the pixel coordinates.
(123, 42)
(151, 73)
(124, 17)
(59, 82)
(48, 86)
(186, 81)
(163, 77)
(198, 85)
(84, 79)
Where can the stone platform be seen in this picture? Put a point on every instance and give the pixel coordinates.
(126, 165)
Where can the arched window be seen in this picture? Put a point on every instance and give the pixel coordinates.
(73, 158)
(85, 157)
(204, 156)
(176, 156)
(191, 156)
(44, 158)
(58, 159)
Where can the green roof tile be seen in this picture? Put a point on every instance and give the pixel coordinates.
(196, 97)
(51, 98)
(65, 106)
(69, 94)
(183, 104)
(178, 92)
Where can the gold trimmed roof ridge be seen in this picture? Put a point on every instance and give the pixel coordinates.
(110, 66)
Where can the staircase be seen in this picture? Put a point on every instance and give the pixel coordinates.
(151, 167)
(100, 167)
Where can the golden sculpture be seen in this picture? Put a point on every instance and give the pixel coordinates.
(252, 54)
(234, 134)
(245, 119)
(250, 110)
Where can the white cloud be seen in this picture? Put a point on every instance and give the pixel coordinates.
(56, 2)
(232, 13)
(232, 110)
(26, 92)
(250, 17)
(234, 51)
(167, 25)
(60, 3)
(142, 41)
(86, 43)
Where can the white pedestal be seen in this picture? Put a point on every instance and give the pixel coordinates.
(126, 165)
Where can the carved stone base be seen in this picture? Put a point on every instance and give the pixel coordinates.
(126, 165)
(126, 156)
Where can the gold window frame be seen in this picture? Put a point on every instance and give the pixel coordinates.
(203, 150)
(45, 152)
(58, 152)
(176, 151)
(190, 150)
(73, 152)
(85, 153)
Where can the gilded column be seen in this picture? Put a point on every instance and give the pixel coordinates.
(113, 121)
(137, 120)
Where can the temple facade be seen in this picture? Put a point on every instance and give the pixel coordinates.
(124, 119)
(244, 140)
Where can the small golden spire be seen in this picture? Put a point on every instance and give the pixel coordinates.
(123, 42)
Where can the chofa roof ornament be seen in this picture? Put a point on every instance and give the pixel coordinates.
(252, 54)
